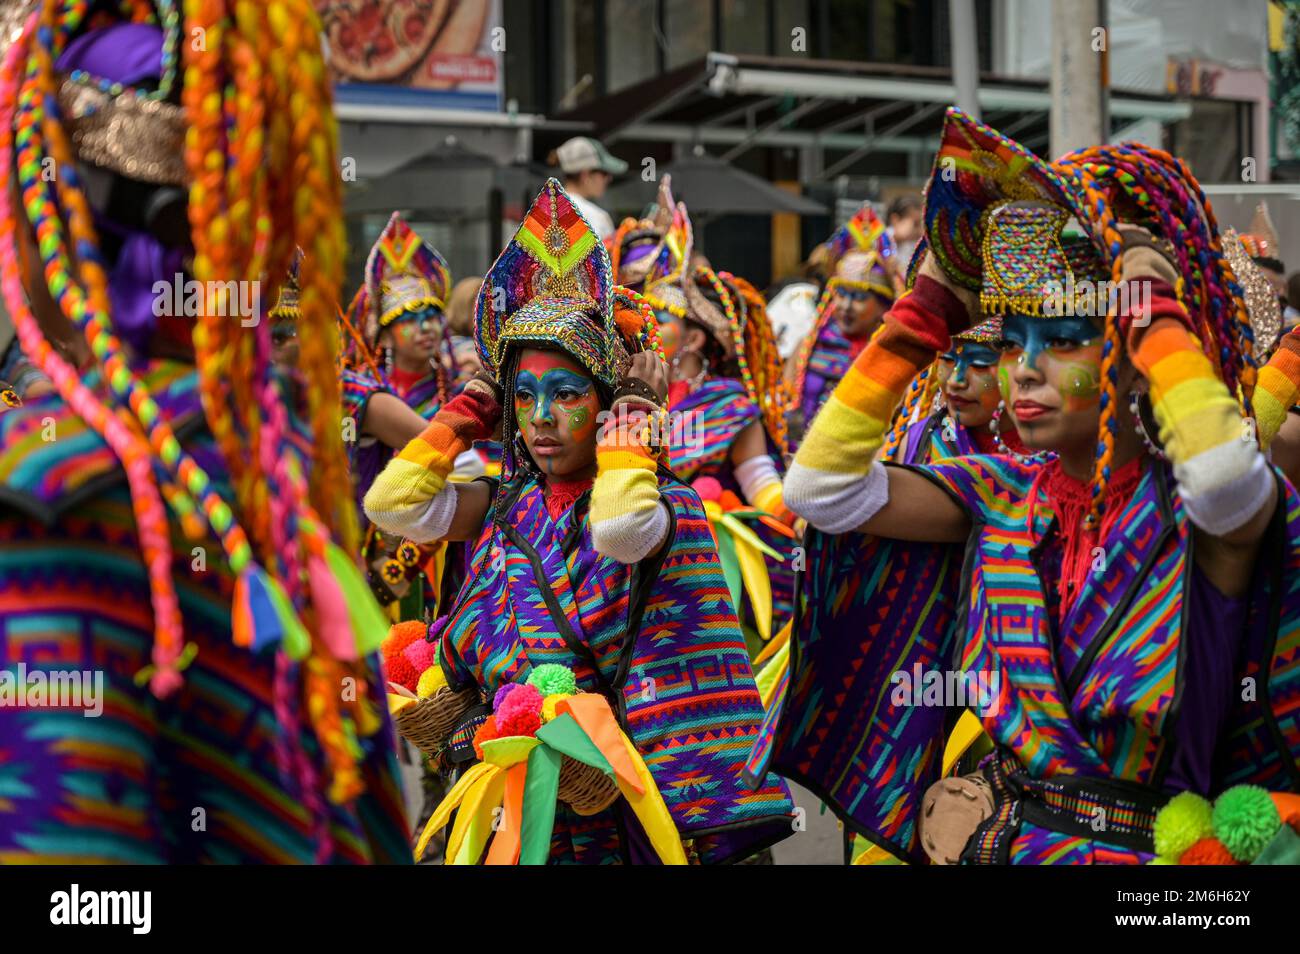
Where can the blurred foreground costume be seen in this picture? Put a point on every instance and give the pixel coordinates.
(182, 537)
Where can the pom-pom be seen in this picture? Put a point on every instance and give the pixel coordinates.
(396, 666)
(421, 654)
(502, 694)
(1207, 851)
(431, 680)
(1160, 860)
(708, 488)
(1184, 821)
(1245, 820)
(519, 721)
(524, 698)
(486, 733)
(730, 501)
(549, 704)
(553, 679)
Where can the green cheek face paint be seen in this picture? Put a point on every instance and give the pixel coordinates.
(1004, 382)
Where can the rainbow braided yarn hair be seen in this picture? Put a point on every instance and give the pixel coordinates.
(259, 163)
(1145, 186)
(748, 340)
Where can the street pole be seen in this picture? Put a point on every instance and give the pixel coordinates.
(1080, 47)
(965, 55)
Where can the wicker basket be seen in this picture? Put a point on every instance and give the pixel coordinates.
(429, 722)
(585, 789)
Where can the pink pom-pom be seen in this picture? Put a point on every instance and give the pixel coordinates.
(523, 698)
(708, 488)
(421, 654)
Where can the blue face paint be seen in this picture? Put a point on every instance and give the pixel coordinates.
(965, 355)
(1026, 338)
(536, 398)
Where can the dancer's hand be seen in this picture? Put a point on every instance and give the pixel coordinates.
(648, 368)
(931, 268)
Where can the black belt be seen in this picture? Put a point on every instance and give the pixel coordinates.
(1112, 811)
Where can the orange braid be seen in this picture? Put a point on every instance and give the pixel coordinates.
(761, 365)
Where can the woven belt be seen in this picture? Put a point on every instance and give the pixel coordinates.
(1112, 811)
(460, 744)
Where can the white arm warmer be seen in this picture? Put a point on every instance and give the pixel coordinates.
(836, 505)
(755, 474)
(421, 525)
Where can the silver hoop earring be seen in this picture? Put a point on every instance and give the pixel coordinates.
(1135, 408)
(996, 426)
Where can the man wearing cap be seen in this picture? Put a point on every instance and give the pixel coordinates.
(588, 170)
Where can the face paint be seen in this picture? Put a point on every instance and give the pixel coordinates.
(670, 333)
(1050, 373)
(556, 406)
(414, 335)
(969, 384)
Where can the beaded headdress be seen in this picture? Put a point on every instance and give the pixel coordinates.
(551, 285)
(1029, 266)
(864, 232)
(636, 243)
(404, 274)
(1261, 300)
(286, 303)
(977, 169)
(986, 332)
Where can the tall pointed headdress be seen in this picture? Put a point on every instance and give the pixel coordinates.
(404, 273)
(552, 285)
(636, 244)
(663, 282)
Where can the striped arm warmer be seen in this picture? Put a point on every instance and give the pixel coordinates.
(411, 495)
(1222, 477)
(628, 520)
(1278, 387)
(761, 485)
(835, 483)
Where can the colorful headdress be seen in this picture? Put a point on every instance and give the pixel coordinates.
(986, 332)
(260, 152)
(404, 274)
(1262, 304)
(663, 286)
(636, 243)
(551, 285)
(1029, 266)
(741, 327)
(286, 303)
(977, 169)
(864, 232)
(1261, 242)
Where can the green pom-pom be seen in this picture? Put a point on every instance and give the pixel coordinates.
(553, 679)
(1245, 820)
(1161, 860)
(1184, 821)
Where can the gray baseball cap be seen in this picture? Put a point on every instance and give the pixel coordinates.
(582, 153)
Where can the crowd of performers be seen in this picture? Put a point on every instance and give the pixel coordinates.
(595, 555)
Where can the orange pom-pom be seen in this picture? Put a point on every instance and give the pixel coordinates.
(486, 733)
(396, 666)
(1207, 851)
(629, 321)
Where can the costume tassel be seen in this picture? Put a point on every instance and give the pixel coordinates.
(332, 613)
(368, 623)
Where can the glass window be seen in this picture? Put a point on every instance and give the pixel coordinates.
(688, 30)
(573, 61)
(744, 26)
(851, 28)
(792, 14)
(630, 54)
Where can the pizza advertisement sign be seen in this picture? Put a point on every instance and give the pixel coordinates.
(445, 53)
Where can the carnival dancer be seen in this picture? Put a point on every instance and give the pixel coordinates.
(399, 345)
(171, 540)
(587, 554)
(1107, 613)
(865, 278)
